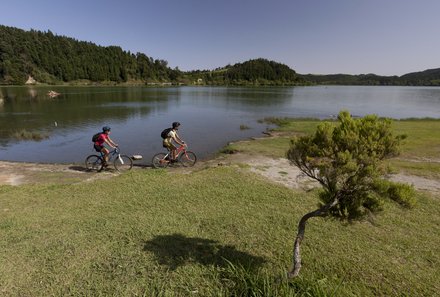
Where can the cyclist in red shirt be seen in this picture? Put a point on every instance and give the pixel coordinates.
(104, 138)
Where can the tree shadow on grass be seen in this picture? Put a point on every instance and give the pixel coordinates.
(177, 250)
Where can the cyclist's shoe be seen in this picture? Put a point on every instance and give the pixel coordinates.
(104, 165)
(173, 161)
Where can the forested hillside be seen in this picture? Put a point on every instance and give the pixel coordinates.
(252, 72)
(52, 59)
(430, 77)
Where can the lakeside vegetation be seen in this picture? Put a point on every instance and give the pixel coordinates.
(216, 232)
(29, 135)
(52, 59)
(419, 149)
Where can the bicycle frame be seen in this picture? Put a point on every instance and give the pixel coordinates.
(183, 157)
(180, 149)
(111, 155)
(120, 162)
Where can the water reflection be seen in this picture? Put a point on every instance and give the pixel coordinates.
(211, 116)
(239, 96)
(76, 107)
(2, 101)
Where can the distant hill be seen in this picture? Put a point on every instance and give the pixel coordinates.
(54, 59)
(429, 77)
(253, 72)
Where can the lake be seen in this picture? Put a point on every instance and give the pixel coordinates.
(210, 116)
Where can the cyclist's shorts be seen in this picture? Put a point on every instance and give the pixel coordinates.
(98, 148)
(168, 144)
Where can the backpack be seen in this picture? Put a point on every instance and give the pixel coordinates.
(96, 136)
(165, 132)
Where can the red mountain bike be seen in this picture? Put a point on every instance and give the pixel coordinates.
(184, 157)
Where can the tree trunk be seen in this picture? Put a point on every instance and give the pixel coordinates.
(296, 265)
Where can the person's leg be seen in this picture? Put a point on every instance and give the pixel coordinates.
(167, 145)
(173, 152)
(105, 152)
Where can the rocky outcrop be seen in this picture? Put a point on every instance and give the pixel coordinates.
(53, 94)
(30, 81)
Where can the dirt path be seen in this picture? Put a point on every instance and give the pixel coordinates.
(419, 183)
(281, 171)
(18, 173)
(276, 170)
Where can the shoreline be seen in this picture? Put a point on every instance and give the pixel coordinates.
(23, 172)
(273, 169)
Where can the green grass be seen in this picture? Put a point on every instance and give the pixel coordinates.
(424, 169)
(423, 138)
(420, 150)
(275, 147)
(423, 135)
(215, 232)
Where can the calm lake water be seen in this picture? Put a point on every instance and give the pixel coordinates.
(210, 116)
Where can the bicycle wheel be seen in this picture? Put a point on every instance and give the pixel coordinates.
(188, 159)
(159, 161)
(123, 163)
(94, 162)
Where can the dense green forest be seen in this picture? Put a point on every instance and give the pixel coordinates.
(54, 59)
(50, 58)
(252, 72)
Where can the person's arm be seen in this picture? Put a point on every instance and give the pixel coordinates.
(177, 139)
(110, 142)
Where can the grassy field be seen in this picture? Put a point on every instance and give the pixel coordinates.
(213, 232)
(420, 151)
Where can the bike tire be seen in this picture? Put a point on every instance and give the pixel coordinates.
(188, 159)
(123, 163)
(94, 162)
(158, 161)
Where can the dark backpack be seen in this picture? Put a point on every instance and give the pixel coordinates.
(165, 132)
(96, 136)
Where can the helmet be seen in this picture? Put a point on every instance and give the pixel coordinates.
(176, 124)
(106, 128)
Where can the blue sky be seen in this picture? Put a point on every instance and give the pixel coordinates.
(385, 37)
